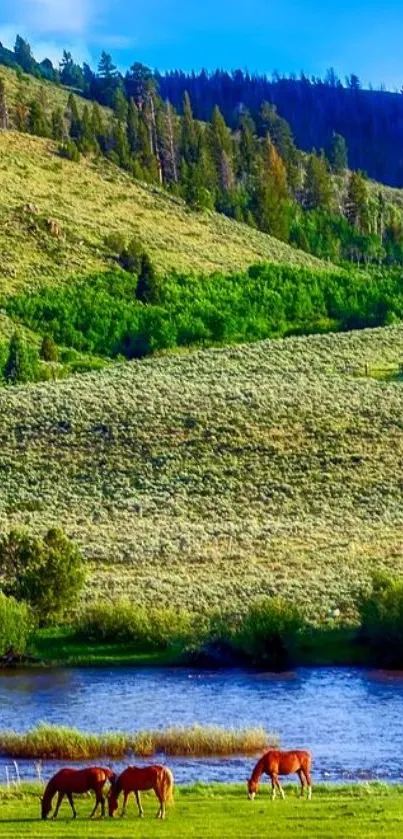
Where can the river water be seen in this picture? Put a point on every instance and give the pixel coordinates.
(350, 718)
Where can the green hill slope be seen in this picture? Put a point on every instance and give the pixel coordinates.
(213, 477)
(91, 199)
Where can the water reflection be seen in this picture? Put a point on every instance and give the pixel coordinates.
(350, 718)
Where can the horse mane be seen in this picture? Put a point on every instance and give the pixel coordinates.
(49, 792)
(115, 783)
(258, 769)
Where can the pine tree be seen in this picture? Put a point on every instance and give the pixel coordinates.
(189, 138)
(357, 210)
(220, 149)
(71, 74)
(146, 158)
(120, 105)
(73, 118)
(119, 144)
(4, 118)
(137, 83)
(98, 128)
(21, 363)
(271, 204)
(318, 188)
(168, 144)
(338, 154)
(133, 127)
(37, 122)
(149, 113)
(58, 125)
(23, 55)
(108, 80)
(87, 139)
(247, 147)
(106, 67)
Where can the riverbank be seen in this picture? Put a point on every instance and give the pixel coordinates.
(363, 811)
(61, 647)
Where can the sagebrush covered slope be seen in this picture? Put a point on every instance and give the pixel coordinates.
(209, 478)
(91, 199)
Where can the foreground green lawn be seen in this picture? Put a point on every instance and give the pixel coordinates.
(220, 811)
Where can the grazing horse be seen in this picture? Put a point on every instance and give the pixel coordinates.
(136, 779)
(275, 763)
(67, 781)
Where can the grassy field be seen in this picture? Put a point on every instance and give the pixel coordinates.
(352, 812)
(91, 199)
(209, 478)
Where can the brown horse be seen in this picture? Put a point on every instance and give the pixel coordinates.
(67, 781)
(136, 779)
(275, 763)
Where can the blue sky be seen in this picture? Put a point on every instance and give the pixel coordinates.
(356, 36)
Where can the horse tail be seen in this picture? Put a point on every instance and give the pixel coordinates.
(166, 785)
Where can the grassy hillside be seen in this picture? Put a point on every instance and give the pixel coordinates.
(213, 477)
(51, 95)
(91, 199)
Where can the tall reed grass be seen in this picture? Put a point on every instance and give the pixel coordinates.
(50, 742)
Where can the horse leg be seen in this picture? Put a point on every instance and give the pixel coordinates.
(278, 785)
(71, 802)
(125, 797)
(301, 777)
(60, 796)
(138, 799)
(99, 800)
(309, 783)
(161, 811)
(273, 788)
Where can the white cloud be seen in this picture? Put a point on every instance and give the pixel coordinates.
(58, 16)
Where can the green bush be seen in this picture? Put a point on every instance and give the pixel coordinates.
(269, 632)
(381, 613)
(124, 622)
(21, 364)
(69, 150)
(47, 573)
(16, 624)
(116, 243)
(48, 350)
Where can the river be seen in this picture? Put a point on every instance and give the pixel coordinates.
(350, 718)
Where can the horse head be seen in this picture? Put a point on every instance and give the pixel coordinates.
(112, 798)
(46, 807)
(252, 788)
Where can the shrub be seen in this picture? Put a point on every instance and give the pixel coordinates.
(15, 625)
(381, 613)
(123, 622)
(49, 351)
(115, 242)
(269, 631)
(21, 365)
(69, 150)
(130, 257)
(47, 573)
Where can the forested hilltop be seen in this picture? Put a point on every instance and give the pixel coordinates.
(240, 161)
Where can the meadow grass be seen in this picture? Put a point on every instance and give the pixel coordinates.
(50, 742)
(365, 811)
(206, 479)
(92, 199)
